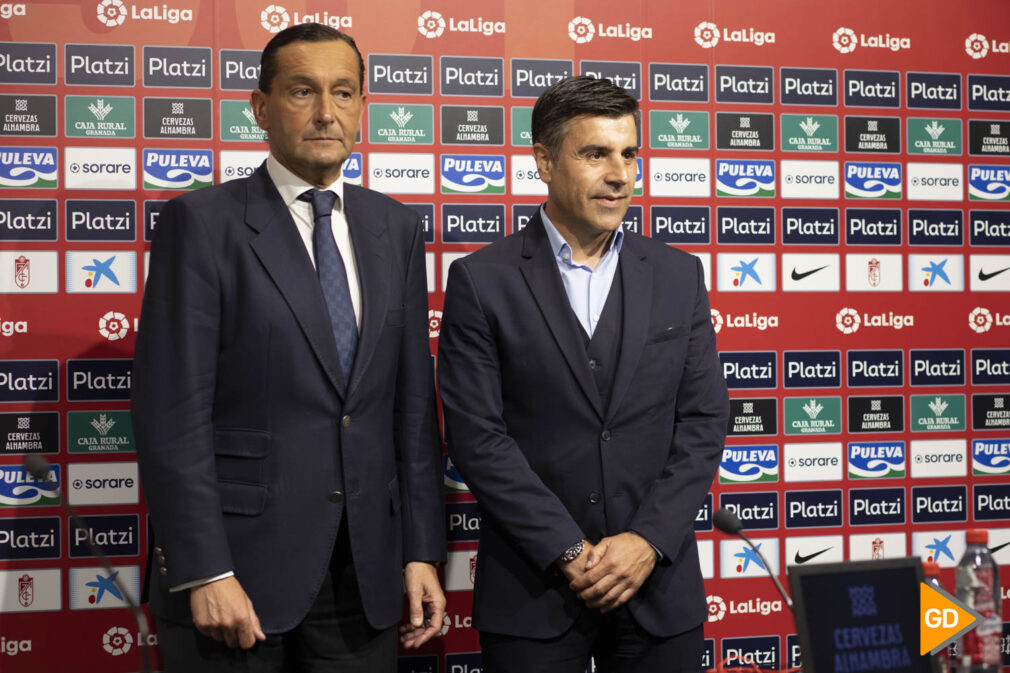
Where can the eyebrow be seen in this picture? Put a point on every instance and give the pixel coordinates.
(605, 148)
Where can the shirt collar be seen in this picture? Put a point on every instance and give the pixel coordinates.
(290, 186)
(559, 246)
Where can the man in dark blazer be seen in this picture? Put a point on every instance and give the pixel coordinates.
(285, 420)
(586, 410)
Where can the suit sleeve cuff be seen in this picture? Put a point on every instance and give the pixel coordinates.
(201, 582)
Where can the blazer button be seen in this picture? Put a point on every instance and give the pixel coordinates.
(337, 497)
(605, 435)
(592, 364)
(594, 498)
(346, 421)
(163, 571)
(157, 550)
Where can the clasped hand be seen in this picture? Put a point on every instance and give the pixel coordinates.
(608, 574)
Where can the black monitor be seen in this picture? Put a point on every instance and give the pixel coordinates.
(859, 616)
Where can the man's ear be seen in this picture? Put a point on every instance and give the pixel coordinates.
(258, 103)
(545, 161)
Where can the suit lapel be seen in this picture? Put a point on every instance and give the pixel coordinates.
(368, 237)
(636, 275)
(281, 251)
(539, 269)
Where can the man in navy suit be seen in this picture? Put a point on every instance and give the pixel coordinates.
(283, 398)
(586, 410)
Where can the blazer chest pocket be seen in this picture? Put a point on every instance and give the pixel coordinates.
(666, 334)
(394, 317)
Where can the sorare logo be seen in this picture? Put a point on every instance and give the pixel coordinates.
(869, 180)
(28, 167)
(747, 464)
(876, 460)
(178, 169)
(745, 177)
(473, 174)
(989, 183)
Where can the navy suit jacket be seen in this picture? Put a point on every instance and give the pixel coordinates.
(242, 435)
(548, 464)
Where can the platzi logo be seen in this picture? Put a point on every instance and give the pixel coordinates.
(845, 40)
(977, 46)
(742, 177)
(582, 30)
(432, 24)
(473, 174)
(178, 169)
(706, 35)
(28, 167)
(113, 13)
(275, 18)
(989, 183)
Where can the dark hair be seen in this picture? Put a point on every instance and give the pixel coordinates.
(303, 32)
(579, 96)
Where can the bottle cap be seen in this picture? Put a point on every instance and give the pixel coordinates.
(977, 536)
(931, 569)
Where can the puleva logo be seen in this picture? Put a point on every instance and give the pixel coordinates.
(876, 460)
(845, 40)
(473, 174)
(745, 177)
(28, 167)
(274, 18)
(178, 169)
(18, 488)
(867, 180)
(746, 464)
(990, 456)
(989, 183)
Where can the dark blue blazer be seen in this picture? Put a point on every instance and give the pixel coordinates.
(548, 464)
(242, 435)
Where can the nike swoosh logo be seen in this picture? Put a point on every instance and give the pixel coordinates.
(982, 275)
(800, 558)
(800, 276)
(997, 548)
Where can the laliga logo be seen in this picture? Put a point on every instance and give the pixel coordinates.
(980, 320)
(111, 12)
(274, 18)
(706, 34)
(716, 608)
(581, 30)
(113, 326)
(430, 24)
(117, 641)
(847, 320)
(434, 323)
(717, 321)
(976, 46)
(844, 40)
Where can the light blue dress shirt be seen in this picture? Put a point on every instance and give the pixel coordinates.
(587, 289)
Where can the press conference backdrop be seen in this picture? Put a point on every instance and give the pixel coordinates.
(841, 169)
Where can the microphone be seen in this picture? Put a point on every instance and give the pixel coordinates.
(728, 522)
(38, 467)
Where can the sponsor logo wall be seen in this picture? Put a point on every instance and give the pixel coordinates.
(830, 170)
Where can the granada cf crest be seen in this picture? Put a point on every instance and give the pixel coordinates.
(22, 272)
(473, 568)
(26, 590)
(873, 272)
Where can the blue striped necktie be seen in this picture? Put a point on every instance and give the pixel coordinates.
(333, 278)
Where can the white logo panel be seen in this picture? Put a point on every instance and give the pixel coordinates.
(809, 179)
(401, 173)
(812, 462)
(100, 168)
(102, 483)
(680, 177)
(525, 178)
(935, 182)
(811, 272)
(938, 458)
(873, 273)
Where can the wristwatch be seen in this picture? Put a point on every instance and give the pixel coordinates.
(573, 552)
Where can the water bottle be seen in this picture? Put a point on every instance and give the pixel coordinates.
(978, 651)
(931, 571)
